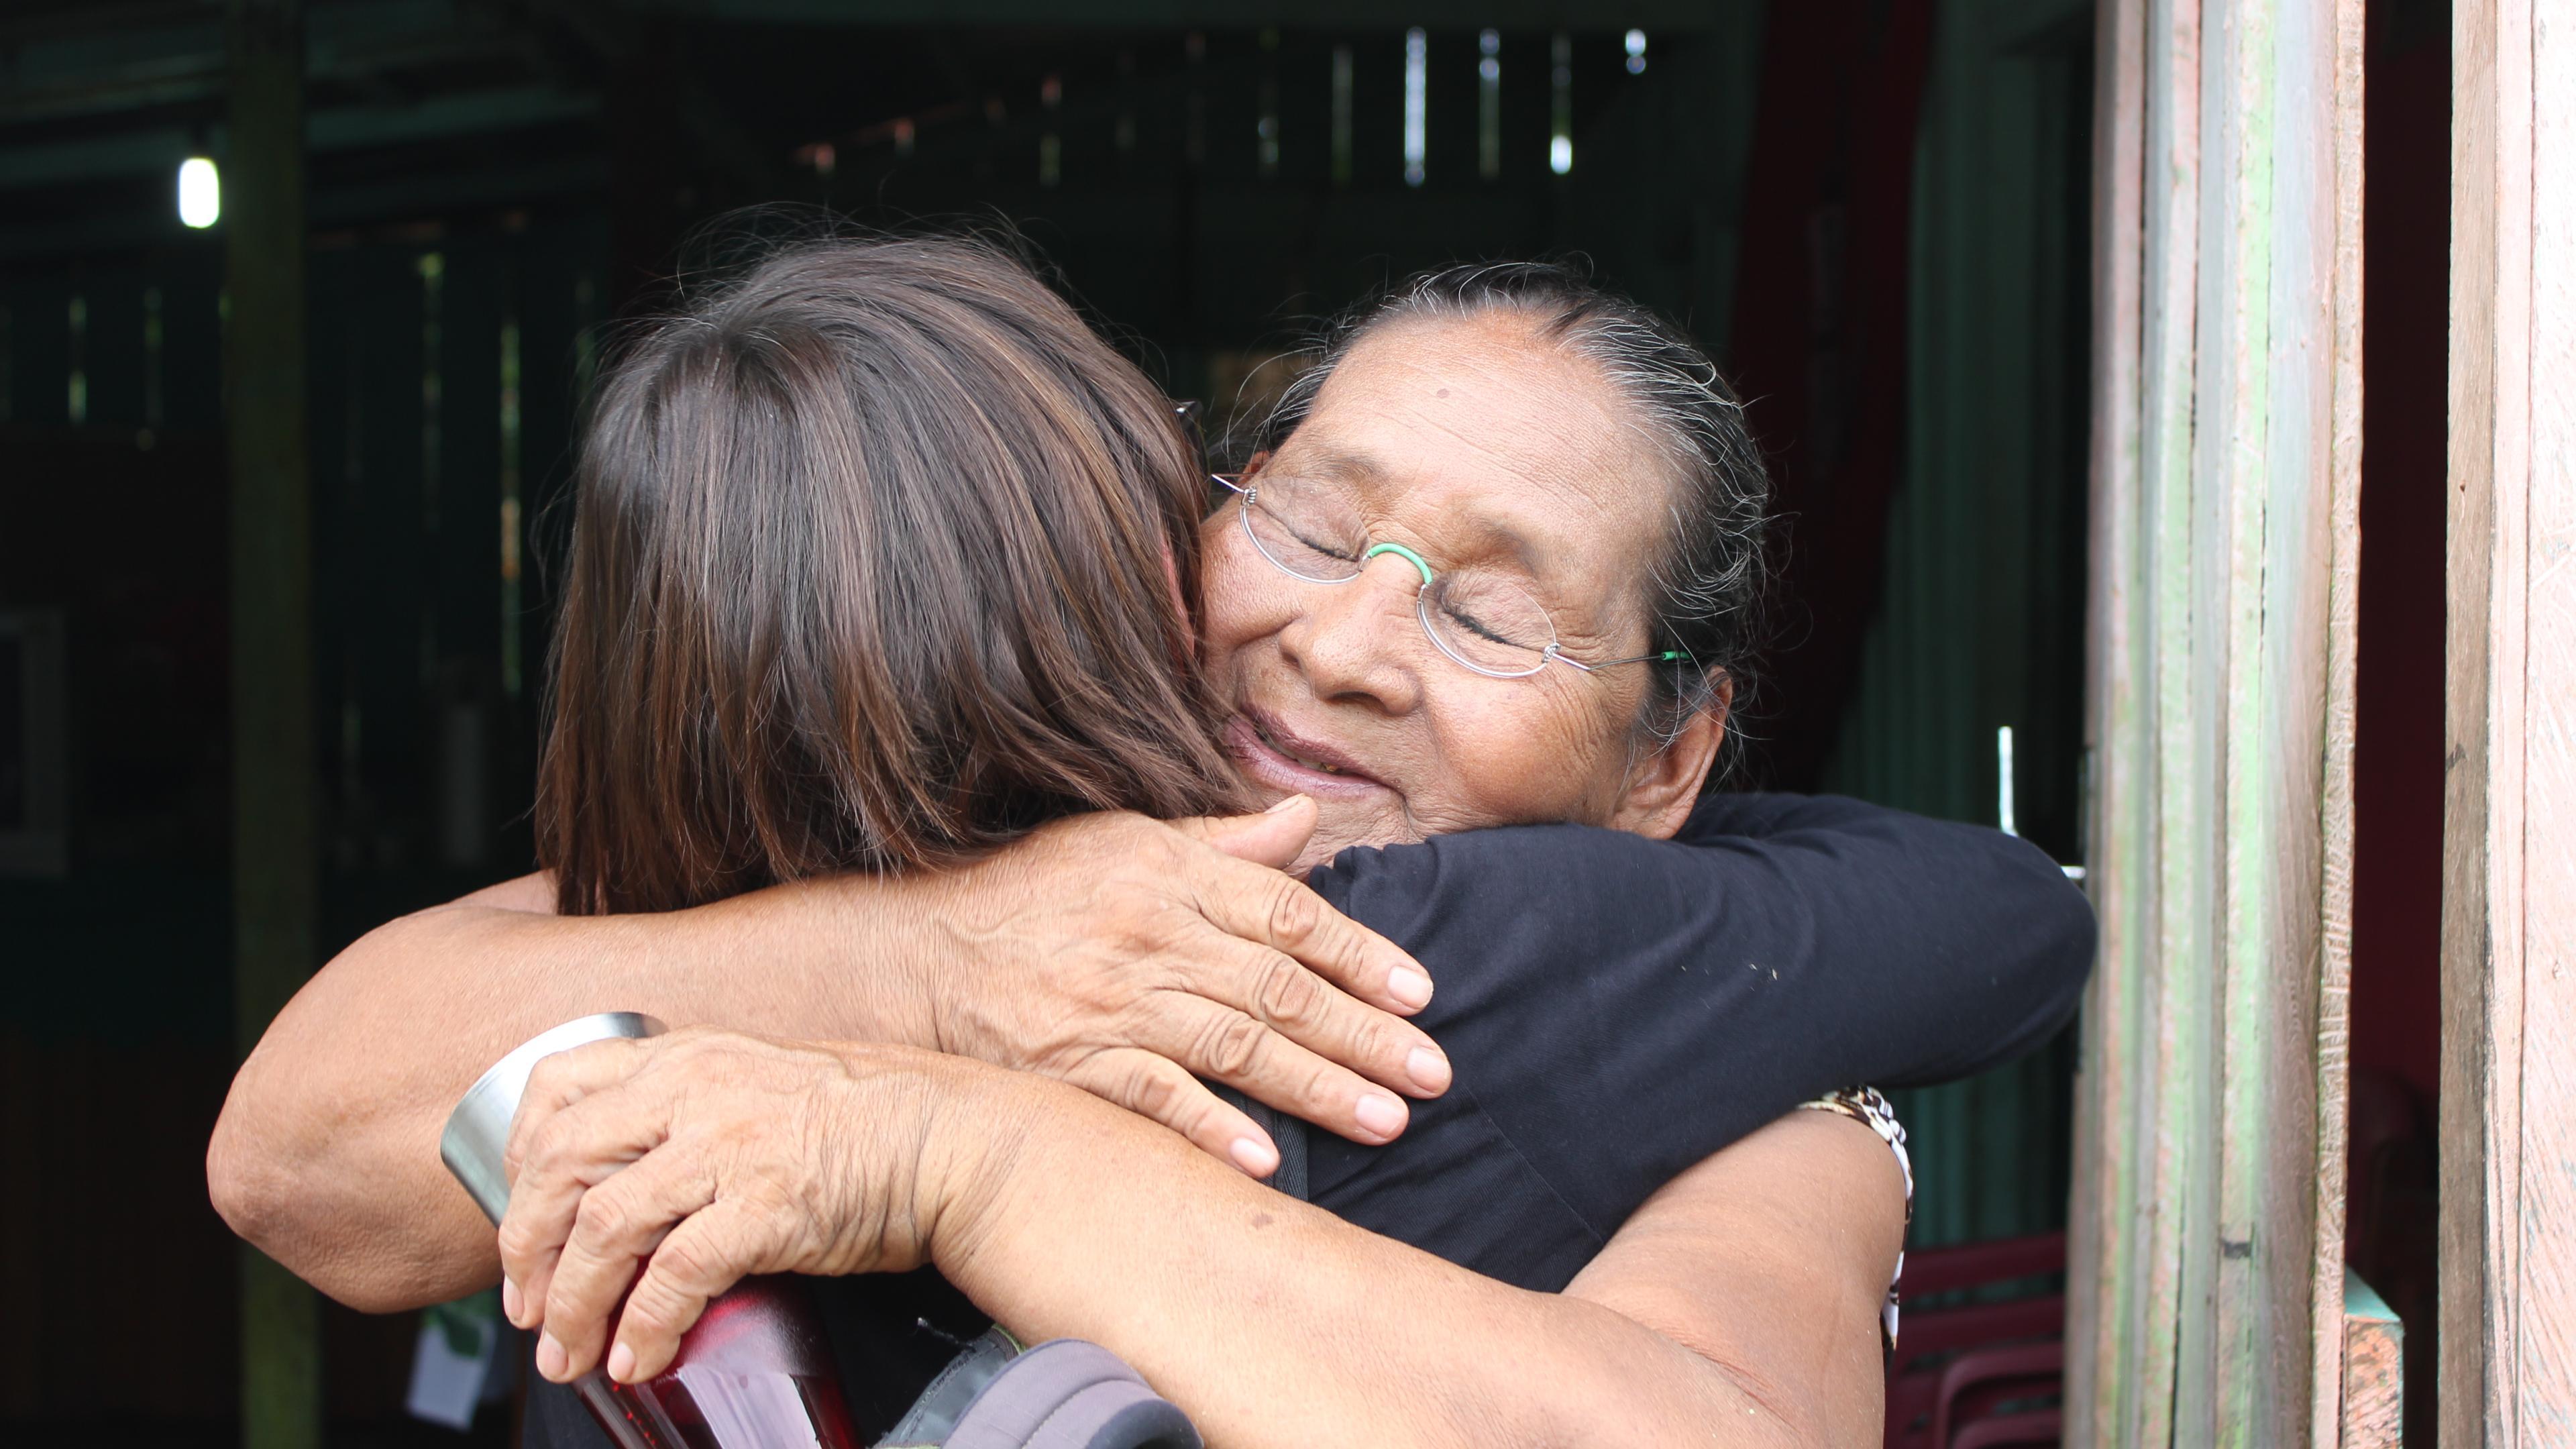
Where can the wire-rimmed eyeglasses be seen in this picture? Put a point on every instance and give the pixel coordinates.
(1481, 620)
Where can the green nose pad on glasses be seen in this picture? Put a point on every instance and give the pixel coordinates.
(1400, 551)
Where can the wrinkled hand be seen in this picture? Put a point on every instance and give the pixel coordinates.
(1124, 955)
(702, 1157)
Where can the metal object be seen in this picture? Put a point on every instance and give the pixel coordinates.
(754, 1372)
(478, 1131)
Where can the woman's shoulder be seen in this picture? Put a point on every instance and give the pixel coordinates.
(533, 893)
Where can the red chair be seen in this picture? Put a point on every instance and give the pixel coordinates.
(1933, 1341)
(1975, 1383)
(2039, 1426)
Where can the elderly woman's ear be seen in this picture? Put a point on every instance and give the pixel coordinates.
(1664, 784)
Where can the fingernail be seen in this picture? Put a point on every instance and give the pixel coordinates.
(1281, 805)
(1428, 1068)
(550, 1357)
(1254, 1156)
(1409, 986)
(512, 1302)
(1380, 1113)
(621, 1363)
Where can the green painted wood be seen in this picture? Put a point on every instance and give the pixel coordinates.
(2165, 1028)
(2213, 1100)
(2101, 1284)
(2212, 1393)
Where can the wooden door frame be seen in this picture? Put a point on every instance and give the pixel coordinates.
(2508, 1170)
(2210, 1115)
(2206, 1279)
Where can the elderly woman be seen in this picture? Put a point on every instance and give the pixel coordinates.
(872, 519)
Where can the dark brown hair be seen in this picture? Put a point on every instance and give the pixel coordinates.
(868, 570)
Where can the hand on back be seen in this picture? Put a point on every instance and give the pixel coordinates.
(1130, 957)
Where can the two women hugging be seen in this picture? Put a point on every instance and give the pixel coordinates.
(1032, 834)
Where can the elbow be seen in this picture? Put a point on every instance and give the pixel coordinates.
(245, 1184)
(257, 1188)
(252, 1187)
(337, 1222)
(2041, 954)
(2064, 933)
(2077, 936)
(254, 1190)
(2062, 965)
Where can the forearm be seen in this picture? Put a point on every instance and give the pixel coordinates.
(326, 1155)
(1707, 986)
(1273, 1322)
(1938, 949)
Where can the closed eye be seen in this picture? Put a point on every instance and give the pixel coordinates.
(1469, 623)
(1305, 535)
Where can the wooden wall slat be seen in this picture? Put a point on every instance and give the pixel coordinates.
(2167, 1127)
(2331, 1079)
(2133, 1364)
(2104, 1171)
(2508, 1191)
(2192, 688)
(2231, 467)
(2481, 985)
(2545, 1368)
(2222, 658)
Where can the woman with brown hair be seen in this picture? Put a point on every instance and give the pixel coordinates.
(944, 514)
(883, 560)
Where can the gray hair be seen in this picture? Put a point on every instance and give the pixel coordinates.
(1710, 580)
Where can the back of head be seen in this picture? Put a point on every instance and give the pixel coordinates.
(872, 566)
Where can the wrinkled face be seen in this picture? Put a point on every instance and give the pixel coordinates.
(1483, 448)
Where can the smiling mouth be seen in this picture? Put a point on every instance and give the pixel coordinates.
(1262, 733)
(1262, 737)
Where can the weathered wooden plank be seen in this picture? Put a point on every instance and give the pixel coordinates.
(2209, 1213)
(2276, 1273)
(2544, 1366)
(2482, 1028)
(2372, 1398)
(2279, 1267)
(2167, 1131)
(2272, 1216)
(2154, 1006)
(2333, 1028)
(2225, 859)
(2469, 1405)
(2101, 1243)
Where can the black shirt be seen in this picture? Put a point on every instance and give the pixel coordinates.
(1616, 1009)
